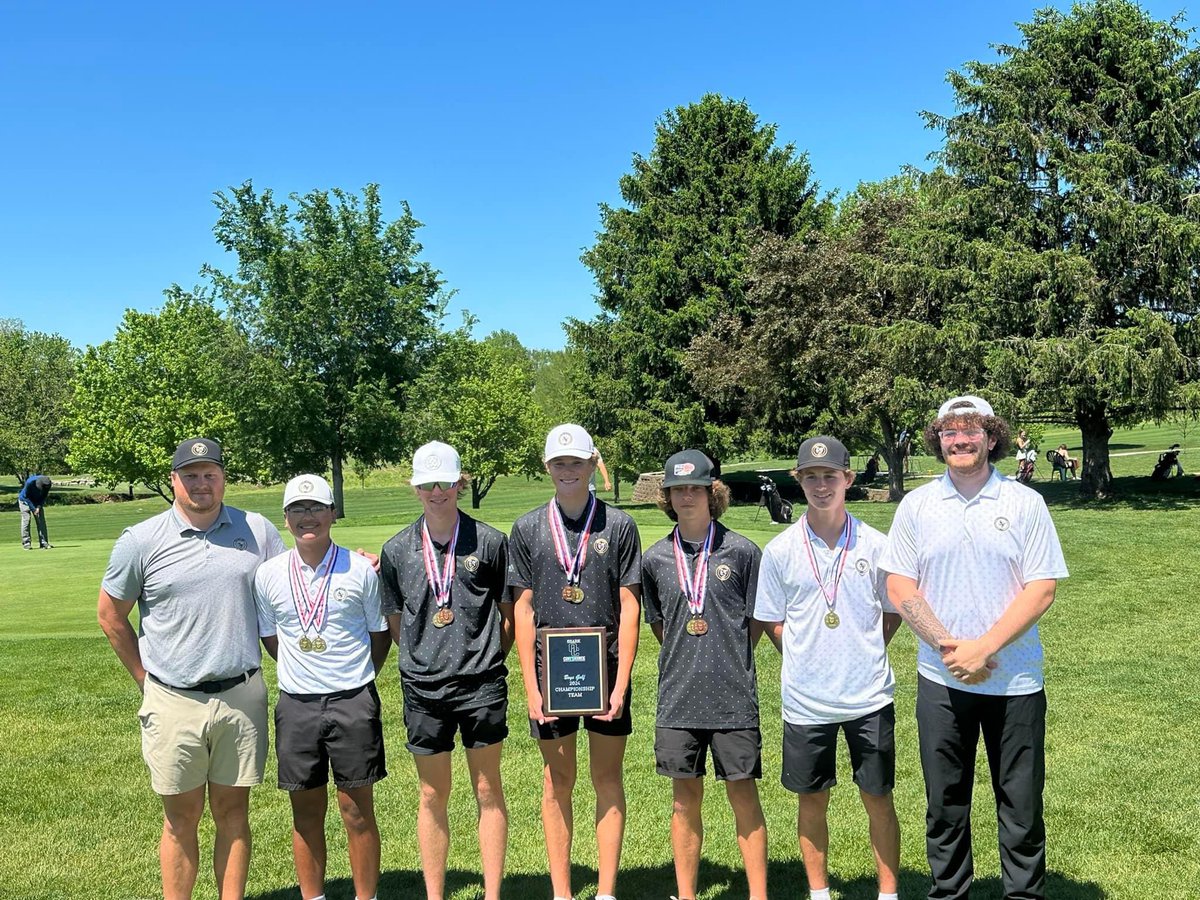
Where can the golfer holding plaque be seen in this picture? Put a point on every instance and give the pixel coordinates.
(575, 564)
(448, 611)
(698, 586)
(824, 604)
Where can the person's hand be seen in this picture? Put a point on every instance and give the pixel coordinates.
(536, 713)
(372, 558)
(967, 659)
(607, 485)
(616, 705)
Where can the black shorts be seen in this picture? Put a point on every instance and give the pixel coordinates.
(736, 752)
(342, 730)
(622, 726)
(810, 753)
(431, 726)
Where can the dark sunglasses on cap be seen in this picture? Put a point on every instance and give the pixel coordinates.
(430, 485)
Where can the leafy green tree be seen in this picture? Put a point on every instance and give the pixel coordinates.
(1068, 196)
(477, 397)
(341, 314)
(36, 373)
(669, 262)
(164, 377)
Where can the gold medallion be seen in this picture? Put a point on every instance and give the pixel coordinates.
(443, 617)
(305, 644)
(832, 620)
(319, 645)
(578, 594)
(697, 627)
(572, 593)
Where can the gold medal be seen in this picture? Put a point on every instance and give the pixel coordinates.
(443, 617)
(697, 627)
(832, 620)
(305, 644)
(572, 594)
(319, 645)
(578, 594)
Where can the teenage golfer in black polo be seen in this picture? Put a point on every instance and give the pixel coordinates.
(448, 611)
(575, 562)
(698, 586)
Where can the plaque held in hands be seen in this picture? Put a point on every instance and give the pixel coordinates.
(574, 671)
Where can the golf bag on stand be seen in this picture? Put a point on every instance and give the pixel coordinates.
(780, 509)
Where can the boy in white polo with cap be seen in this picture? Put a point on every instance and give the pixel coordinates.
(823, 603)
(973, 561)
(447, 606)
(575, 562)
(319, 617)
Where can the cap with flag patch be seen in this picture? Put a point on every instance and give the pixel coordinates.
(688, 467)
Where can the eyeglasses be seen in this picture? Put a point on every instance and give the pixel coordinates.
(429, 486)
(299, 511)
(953, 434)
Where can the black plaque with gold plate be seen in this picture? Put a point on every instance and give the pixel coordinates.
(574, 671)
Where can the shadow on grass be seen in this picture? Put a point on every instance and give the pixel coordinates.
(717, 882)
(1129, 491)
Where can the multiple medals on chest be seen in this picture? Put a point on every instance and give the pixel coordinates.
(694, 584)
(440, 581)
(836, 568)
(311, 608)
(572, 563)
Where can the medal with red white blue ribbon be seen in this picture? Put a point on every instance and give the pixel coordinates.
(694, 584)
(571, 563)
(310, 608)
(836, 569)
(440, 581)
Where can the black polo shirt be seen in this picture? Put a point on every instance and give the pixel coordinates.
(463, 663)
(707, 680)
(613, 561)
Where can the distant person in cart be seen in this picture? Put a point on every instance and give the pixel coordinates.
(447, 605)
(319, 617)
(698, 587)
(824, 604)
(576, 562)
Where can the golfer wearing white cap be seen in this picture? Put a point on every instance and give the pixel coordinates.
(319, 617)
(445, 598)
(973, 562)
(575, 562)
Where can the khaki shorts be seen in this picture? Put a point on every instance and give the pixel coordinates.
(190, 738)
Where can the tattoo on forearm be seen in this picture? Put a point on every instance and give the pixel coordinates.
(920, 618)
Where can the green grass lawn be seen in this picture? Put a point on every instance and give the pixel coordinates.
(1122, 647)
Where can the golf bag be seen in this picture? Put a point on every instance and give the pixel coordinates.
(780, 509)
(1166, 462)
(1026, 459)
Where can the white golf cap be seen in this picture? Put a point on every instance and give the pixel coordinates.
(965, 405)
(436, 461)
(307, 487)
(568, 440)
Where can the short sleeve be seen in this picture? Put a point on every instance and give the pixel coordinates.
(502, 568)
(125, 576)
(372, 600)
(275, 544)
(630, 550)
(520, 567)
(388, 583)
(755, 567)
(1042, 555)
(262, 606)
(651, 602)
(770, 603)
(900, 557)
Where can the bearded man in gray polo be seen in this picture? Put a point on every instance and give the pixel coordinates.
(195, 658)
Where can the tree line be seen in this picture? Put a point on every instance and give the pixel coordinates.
(1047, 257)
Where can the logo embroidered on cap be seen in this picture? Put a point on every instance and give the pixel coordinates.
(564, 439)
(433, 462)
(471, 563)
(819, 450)
(199, 448)
(1001, 523)
(600, 545)
(685, 468)
(306, 487)
(723, 572)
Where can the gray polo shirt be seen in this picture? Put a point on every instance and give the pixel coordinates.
(462, 663)
(707, 680)
(194, 591)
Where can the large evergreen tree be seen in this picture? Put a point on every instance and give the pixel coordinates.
(672, 259)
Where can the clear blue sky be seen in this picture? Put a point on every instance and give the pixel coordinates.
(503, 125)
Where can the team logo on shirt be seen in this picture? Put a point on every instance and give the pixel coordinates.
(339, 594)
(723, 572)
(600, 545)
(199, 448)
(1001, 523)
(240, 544)
(433, 462)
(862, 566)
(471, 563)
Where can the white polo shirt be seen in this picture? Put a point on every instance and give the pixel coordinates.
(829, 674)
(970, 559)
(352, 613)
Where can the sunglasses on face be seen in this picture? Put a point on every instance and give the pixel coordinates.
(429, 486)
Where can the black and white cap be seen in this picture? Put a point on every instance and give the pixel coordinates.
(196, 450)
(825, 451)
(688, 467)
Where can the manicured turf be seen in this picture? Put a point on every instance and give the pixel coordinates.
(1122, 648)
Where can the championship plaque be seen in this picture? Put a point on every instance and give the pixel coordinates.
(574, 671)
